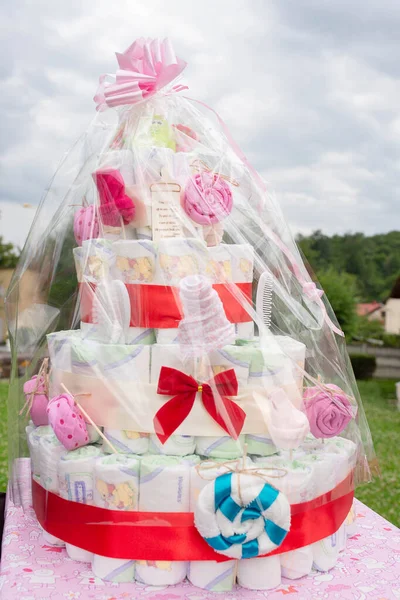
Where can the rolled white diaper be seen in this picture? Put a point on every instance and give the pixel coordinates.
(220, 447)
(176, 445)
(79, 554)
(168, 355)
(178, 258)
(111, 361)
(133, 337)
(164, 487)
(75, 474)
(297, 563)
(260, 445)
(52, 540)
(76, 484)
(50, 452)
(231, 357)
(94, 260)
(116, 487)
(219, 264)
(242, 262)
(116, 570)
(295, 478)
(244, 331)
(135, 261)
(259, 573)
(167, 336)
(33, 438)
(126, 441)
(211, 575)
(140, 335)
(325, 553)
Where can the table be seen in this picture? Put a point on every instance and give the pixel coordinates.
(31, 570)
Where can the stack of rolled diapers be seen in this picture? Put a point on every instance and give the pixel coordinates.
(185, 482)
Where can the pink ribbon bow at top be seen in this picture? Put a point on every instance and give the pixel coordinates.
(145, 67)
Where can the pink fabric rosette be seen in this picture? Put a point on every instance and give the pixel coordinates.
(207, 198)
(328, 410)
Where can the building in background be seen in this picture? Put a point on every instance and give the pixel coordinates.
(392, 310)
(388, 313)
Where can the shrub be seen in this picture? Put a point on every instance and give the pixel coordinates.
(364, 365)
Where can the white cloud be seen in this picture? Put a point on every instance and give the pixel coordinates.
(310, 90)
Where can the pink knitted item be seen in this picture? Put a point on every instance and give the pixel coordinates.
(204, 327)
(38, 400)
(86, 224)
(67, 422)
(115, 204)
(328, 410)
(207, 199)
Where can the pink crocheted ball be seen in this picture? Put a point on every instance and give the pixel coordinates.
(37, 392)
(86, 224)
(67, 422)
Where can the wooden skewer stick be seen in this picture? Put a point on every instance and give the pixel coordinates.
(101, 434)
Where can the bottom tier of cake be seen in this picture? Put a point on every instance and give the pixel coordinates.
(156, 483)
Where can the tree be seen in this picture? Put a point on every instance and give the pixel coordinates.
(340, 290)
(8, 255)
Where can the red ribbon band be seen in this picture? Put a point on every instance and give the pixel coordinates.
(173, 536)
(158, 306)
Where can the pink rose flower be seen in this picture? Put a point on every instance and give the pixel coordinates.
(328, 410)
(207, 198)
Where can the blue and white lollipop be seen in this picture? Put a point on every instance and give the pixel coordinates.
(241, 516)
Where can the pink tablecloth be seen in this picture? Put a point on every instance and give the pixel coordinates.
(31, 570)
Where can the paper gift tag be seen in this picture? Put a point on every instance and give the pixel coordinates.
(167, 215)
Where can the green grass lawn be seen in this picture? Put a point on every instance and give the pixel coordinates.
(382, 495)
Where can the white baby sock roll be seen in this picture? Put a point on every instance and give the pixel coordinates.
(259, 573)
(211, 575)
(176, 445)
(220, 447)
(126, 441)
(50, 452)
(164, 487)
(297, 563)
(260, 445)
(325, 553)
(116, 487)
(33, 438)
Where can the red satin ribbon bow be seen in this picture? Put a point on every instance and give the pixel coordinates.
(224, 411)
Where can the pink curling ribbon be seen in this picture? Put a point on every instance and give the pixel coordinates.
(145, 67)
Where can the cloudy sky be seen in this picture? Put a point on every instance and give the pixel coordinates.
(309, 88)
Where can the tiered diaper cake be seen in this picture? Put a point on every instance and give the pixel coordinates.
(199, 418)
